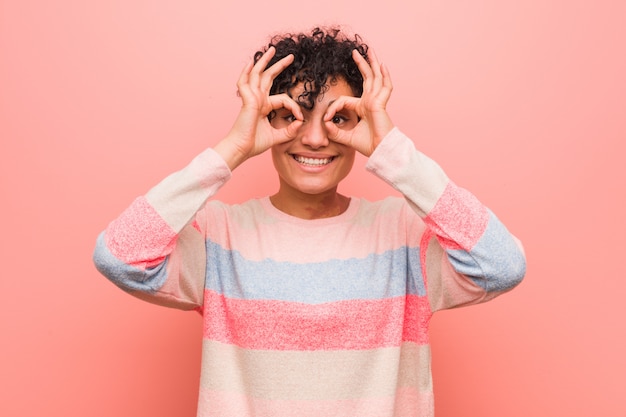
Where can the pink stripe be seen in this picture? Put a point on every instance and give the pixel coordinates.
(417, 318)
(282, 325)
(408, 402)
(426, 237)
(139, 236)
(458, 218)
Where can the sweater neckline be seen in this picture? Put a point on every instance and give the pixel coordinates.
(350, 212)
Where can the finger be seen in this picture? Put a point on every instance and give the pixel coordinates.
(343, 102)
(261, 64)
(375, 65)
(288, 133)
(279, 101)
(272, 72)
(245, 75)
(362, 65)
(279, 66)
(343, 137)
(374, 62)
(334, 133)
(386, 76)
(373, 78)
(370, 78)
(265, 59)
(245, 72)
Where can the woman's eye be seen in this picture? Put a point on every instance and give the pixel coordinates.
(290, 118)
(338, 119)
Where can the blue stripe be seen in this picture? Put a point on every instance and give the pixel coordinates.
(495, 263)
(126, 276)
(390, 274)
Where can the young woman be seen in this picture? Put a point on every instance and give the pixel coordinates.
(313, 303)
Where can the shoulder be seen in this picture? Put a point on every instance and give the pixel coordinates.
(388, 210)
(248, 209)
(384, 206)
(217, 215)
(391, 220)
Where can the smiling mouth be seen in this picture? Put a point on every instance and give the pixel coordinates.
(314, 162)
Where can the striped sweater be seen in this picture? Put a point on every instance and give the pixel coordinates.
(308, 318)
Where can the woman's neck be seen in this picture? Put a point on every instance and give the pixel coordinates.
(310, 207)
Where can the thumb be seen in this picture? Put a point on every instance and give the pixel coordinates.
(338, 135)
(289, 132)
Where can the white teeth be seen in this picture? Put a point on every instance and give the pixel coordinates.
(312, 161)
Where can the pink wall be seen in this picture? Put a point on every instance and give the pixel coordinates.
(522, 102)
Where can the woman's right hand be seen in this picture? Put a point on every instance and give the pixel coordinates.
(252, 132)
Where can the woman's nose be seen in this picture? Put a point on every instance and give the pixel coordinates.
(313, 133)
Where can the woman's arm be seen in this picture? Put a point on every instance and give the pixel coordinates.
(154, 249)
(467, 254)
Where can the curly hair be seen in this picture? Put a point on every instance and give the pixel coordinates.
(320, 58)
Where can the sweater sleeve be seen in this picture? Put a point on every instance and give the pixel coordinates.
(155, 249)
(467, 255)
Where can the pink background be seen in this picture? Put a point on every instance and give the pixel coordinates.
(522, 102)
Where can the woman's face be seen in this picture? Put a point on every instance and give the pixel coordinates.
(311, 163)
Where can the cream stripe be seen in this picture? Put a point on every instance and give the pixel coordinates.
(420, 179)
(406, 403)
(378, 227)
(179, 196)
(315, 375)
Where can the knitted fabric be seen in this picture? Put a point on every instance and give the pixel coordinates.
(325, 317)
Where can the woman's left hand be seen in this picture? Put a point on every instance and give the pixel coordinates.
(374, 123)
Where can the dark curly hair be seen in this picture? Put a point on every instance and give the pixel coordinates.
(320, 58)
